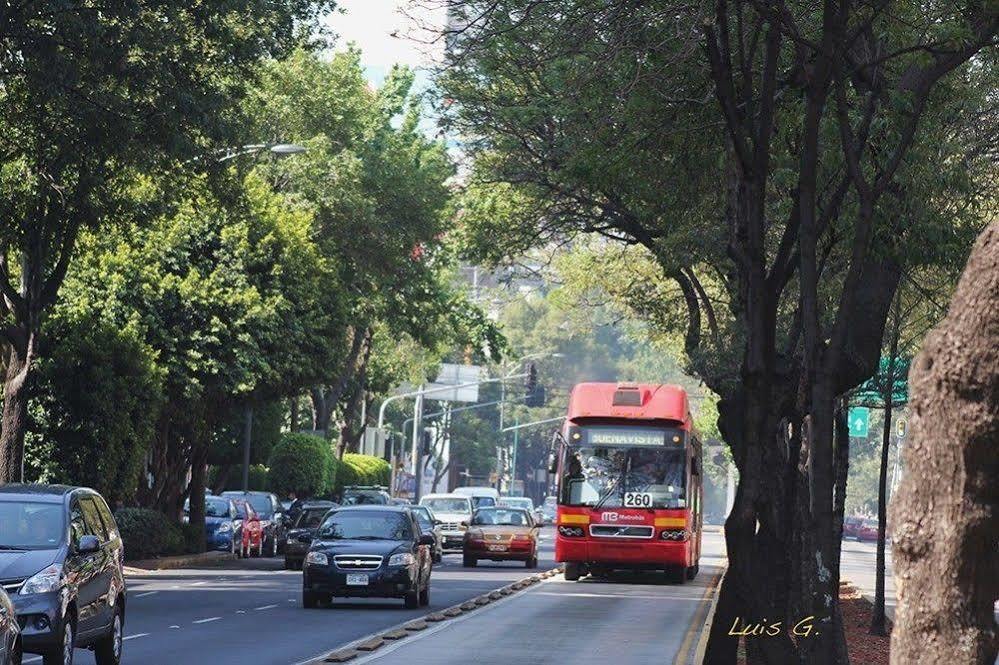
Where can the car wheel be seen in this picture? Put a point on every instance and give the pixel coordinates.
(438, 557)
(470, 561)
(411, 600)
(108, 650)
(425, 596)
(289, 564)
(572, 571)
(63, 654)
(310, 600)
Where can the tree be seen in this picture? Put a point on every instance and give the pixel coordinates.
(944, 541)
(95, 403)
(835, 145)
(91, 97)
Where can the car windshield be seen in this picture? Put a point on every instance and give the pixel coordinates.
(241, 505)
(500, 517)
(624, 477)
(311, 518)
(261, 504)
(216, 507)
(447, 505)
(363, 525)
(364, 499)
(517, 502)
(27, 525)
(483, 501)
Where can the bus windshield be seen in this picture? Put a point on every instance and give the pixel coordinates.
(625, 476)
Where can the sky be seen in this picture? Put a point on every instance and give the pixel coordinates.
(386, 34)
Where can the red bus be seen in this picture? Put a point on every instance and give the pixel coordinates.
(628, 466)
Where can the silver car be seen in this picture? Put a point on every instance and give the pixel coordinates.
(10, 632)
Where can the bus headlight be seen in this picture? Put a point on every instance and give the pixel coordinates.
(571, 531)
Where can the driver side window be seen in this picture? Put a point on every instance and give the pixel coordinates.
(77, 524)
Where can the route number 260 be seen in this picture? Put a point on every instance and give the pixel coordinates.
(637, 500)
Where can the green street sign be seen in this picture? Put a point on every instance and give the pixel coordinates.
(860, 417)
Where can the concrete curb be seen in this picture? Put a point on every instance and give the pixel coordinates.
(182, 561)
(391, 635)
(702, 642)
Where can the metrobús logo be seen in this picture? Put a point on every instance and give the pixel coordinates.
(615, 517)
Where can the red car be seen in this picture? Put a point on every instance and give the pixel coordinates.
(251, 532)
(868, 530)
(851, 525)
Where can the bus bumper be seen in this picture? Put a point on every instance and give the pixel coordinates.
(646, 554)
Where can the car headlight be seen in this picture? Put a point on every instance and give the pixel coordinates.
(225, 527)
(317, 559)
(402, 559)
(44, 581)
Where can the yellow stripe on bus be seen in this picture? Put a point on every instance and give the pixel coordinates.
(671, 521)
(574, 519)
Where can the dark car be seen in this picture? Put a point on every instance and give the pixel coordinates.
(10, 632)
(272, 519)
(366, 495)
(300, 535)
(61, 563)
(368, 551)
(430, 524)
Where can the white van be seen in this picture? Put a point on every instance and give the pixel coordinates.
(480, 496)
(453, 513)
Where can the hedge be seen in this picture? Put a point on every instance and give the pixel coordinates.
(148, 534)
(303, 464)
(362, 470)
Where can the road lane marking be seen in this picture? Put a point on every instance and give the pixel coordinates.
(264, 607)
(617, 595)
(198, 583)
(132, 637)
(208, 620)
(143, 595)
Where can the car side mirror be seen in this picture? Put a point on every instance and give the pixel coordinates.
(88, 545)
(426, 539)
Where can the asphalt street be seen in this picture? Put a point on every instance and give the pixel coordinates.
(250, 612)
(626, 619)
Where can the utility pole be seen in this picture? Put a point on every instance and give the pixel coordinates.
(418, 446)
(247, 437)
(513, 463)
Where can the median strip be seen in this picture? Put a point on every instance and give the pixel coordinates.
(395, 634)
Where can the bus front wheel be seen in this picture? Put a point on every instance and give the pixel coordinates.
(572, 571)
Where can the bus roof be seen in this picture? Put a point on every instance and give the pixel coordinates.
(640, 401)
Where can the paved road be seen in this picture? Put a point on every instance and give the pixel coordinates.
(857, 565)
(628, 619)
(250, 612)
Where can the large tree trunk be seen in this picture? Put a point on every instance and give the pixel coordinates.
(946, 511)
(20, 356)
(199, 477)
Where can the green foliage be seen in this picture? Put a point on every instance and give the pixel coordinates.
(361, 470)
(98, 396)
(302, 464)
(227, 445)
(149, 534)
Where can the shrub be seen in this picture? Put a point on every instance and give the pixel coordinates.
(303, 464)
(362, 470)
(148, 534)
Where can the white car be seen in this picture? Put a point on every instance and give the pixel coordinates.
(482, 497)
(453, 513)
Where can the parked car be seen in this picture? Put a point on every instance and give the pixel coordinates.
(272, 519)
(501, 534)
(430, 524)
(251, 531)
(221, 523)
(851, 525)
(454, 511)
(61, 564)
(868, 530)
(368, 551)
(300, 535)
(10, 632)
(366, 495)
